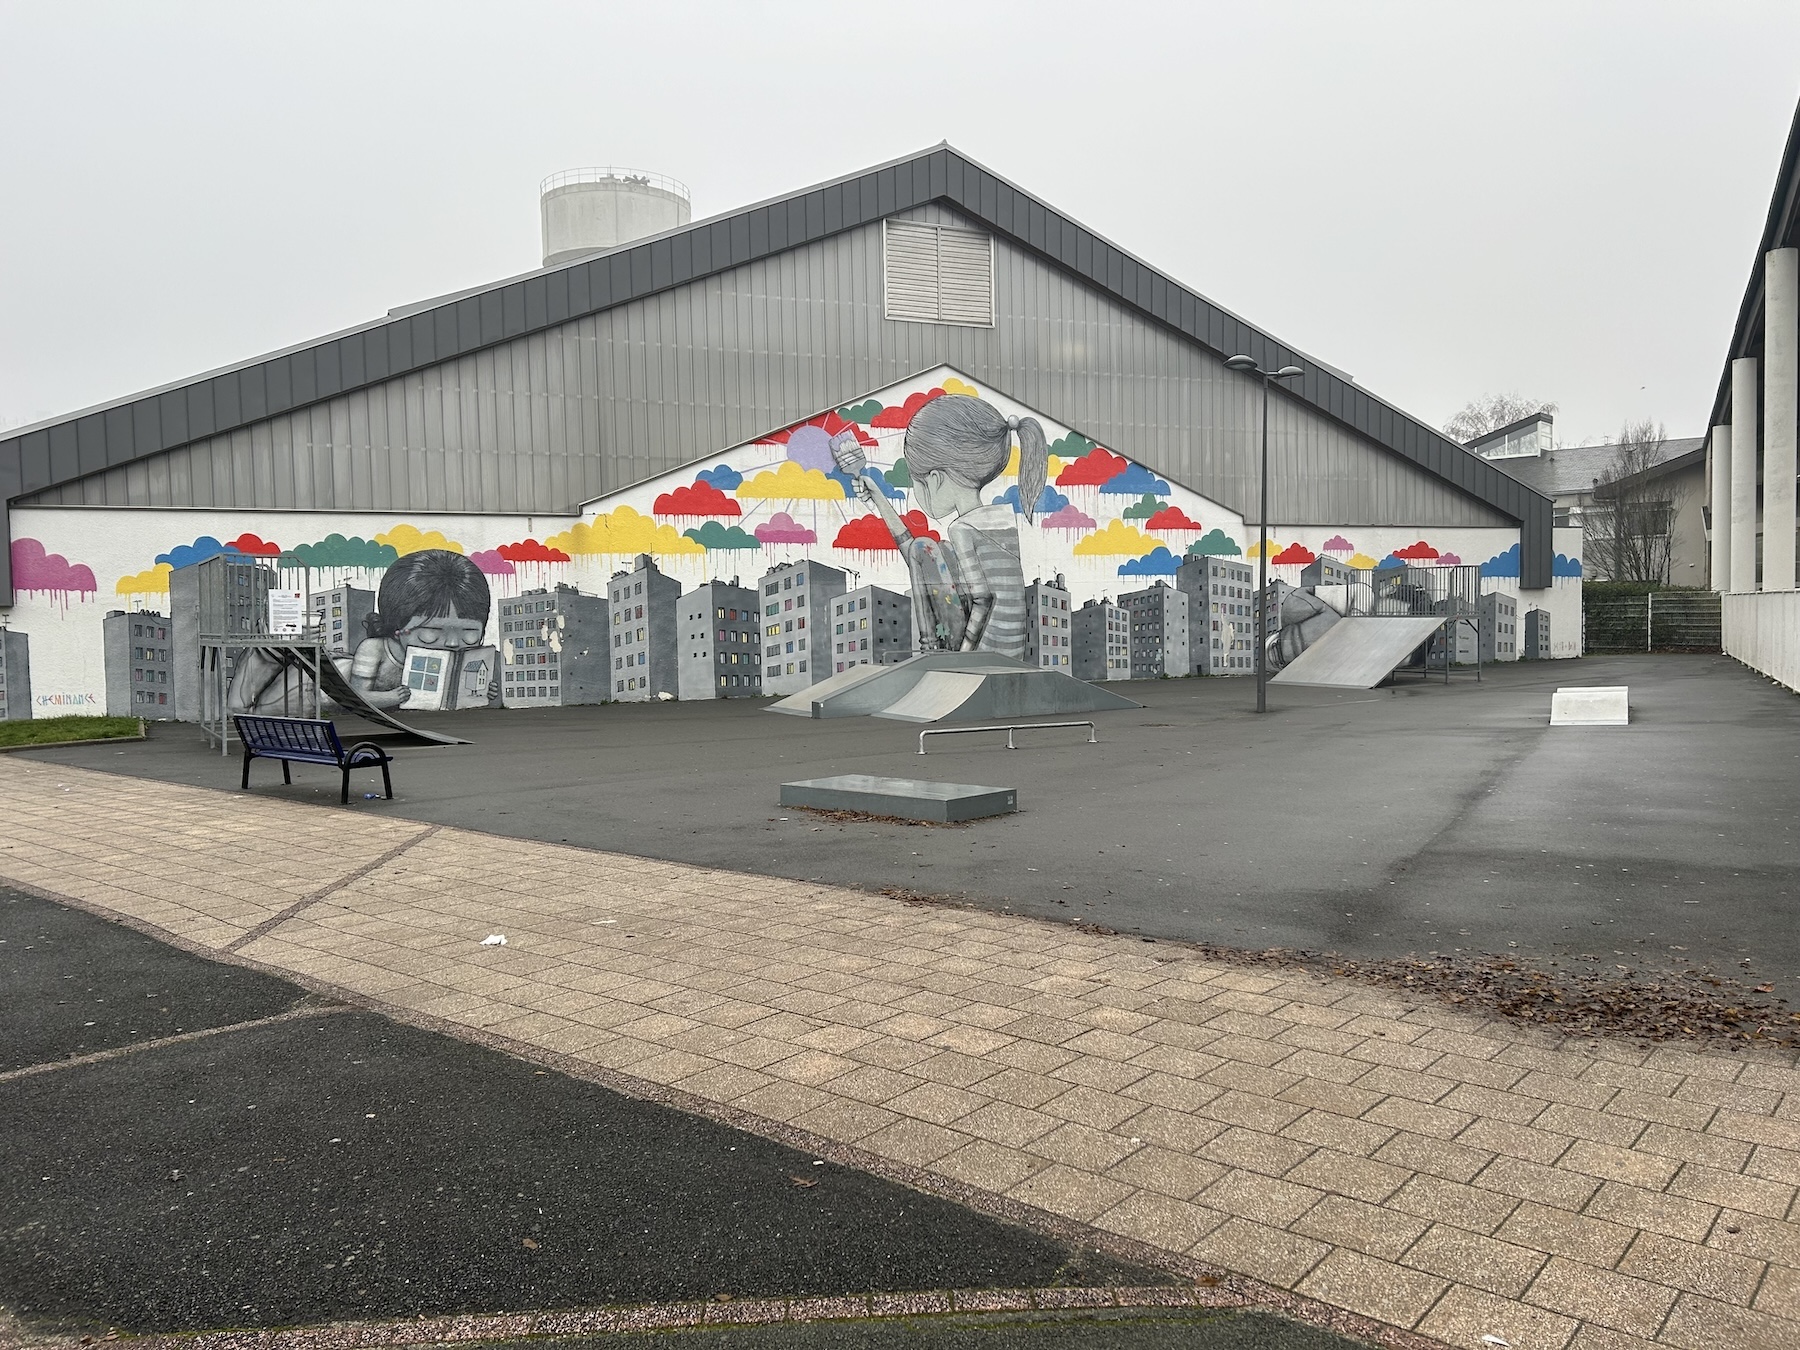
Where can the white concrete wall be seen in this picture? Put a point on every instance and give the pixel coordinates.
(1763, 631)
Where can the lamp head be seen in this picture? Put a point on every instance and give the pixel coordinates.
(1240, 363)
(1288, 372)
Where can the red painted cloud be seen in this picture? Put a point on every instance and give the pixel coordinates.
(254, 545)
(870, 535)
(701, 499)
(902, 416)
(1171, 518)
(1295, 554)
(529, 550)
(1419, 552)
(1098, 466)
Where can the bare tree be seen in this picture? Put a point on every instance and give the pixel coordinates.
(1489, 412)
(1629, 527)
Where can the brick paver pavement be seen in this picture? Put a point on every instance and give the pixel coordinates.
(1430, 1169)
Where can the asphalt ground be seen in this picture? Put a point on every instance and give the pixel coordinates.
(339, 1165)
(1140, 1329)
(1416, 818)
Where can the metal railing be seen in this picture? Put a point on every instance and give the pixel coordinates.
(1660, 621)
(611, 174)
(1093, 732)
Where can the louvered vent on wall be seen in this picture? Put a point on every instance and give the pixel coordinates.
(938, 273)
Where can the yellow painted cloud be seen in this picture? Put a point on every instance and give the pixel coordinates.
(956, 386)
(1255, 550)
(790, 482)
(405, 539)
(623, 530)
(1011, 470)
(1362, 562)
(153, 582)
(1117, 539)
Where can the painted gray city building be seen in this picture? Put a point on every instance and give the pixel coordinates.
(1158, 616)
(645, 651)
(140, 666)
(555, 649)
(1222, 615)
(871, 626)
(1102, 642)
(796, 624)
(15, 675)
(720, 632)
(1049, 630)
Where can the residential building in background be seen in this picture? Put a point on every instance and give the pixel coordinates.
(720, 633)
(795, 599)
(645, 651)
(1049, 631)
(1221, 616)
(15, 674)
(1102, 642)
(337, 618)
(1158, 616)
(1527, 451)
(870, 626)
(140, 665)
(555, 649)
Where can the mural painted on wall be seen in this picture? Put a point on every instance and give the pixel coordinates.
(934, 489)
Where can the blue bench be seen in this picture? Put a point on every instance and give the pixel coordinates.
(309, 742)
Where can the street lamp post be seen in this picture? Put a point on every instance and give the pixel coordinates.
(1247, 364)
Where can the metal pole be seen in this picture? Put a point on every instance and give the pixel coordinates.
(1262, 564)
(1649, 622)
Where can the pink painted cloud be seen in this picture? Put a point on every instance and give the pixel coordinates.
(781, 528)
(490, 563)
(1448, 560)
(1070, 517)
(36, 570)
(1337, 544)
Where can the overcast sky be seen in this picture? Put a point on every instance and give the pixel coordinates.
(1560, 200)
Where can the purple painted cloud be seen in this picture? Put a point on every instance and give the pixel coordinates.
(781, 528)
(1337, 544)
(1070, 517)
(810, 448)
(36, 570)
(1448, 560)
(489, 561)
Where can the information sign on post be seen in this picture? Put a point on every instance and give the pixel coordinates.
(287, 613)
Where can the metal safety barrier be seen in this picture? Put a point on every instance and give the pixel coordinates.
(1093, 732)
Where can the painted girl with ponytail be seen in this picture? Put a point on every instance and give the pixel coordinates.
(968, 593)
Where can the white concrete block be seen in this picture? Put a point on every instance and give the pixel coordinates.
(1600, 705)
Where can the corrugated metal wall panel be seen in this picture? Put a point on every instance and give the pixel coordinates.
(660, 382)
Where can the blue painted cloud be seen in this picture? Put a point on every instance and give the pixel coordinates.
(844, 480)
(1565, 566)
(888, 490)
(1159, 562)
(1135, 482)
(184, 555)
(1501, 564)
(722, 476)
(1049, 500)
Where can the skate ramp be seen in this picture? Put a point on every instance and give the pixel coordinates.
(345, 695)
(974, 684)
(1358, 653)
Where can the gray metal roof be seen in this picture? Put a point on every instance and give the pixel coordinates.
(145, 424)
(1573, 468)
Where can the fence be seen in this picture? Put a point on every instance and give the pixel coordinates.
(1661, 621)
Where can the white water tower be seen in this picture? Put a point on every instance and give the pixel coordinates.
(586, 210)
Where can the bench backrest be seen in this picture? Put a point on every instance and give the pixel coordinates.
(302, 735)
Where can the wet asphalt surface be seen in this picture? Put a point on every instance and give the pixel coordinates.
(1410, 819)
(339, 1165)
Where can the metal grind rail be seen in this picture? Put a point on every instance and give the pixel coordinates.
(1093, 731)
